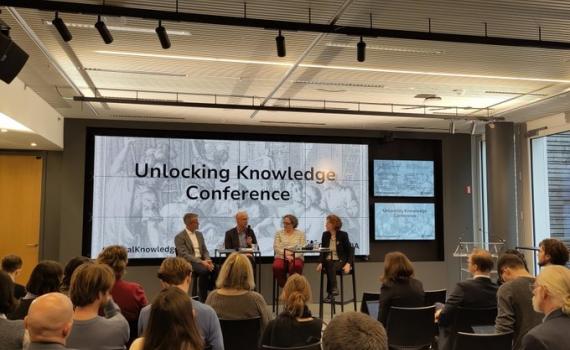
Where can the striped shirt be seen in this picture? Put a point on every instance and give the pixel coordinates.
(283, 240)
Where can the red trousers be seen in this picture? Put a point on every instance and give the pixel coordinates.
(282, 267)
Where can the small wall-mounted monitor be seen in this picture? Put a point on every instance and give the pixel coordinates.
(404, 221)
(403, 178)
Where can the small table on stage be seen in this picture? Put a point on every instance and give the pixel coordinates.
(317, 251)
(219, 253)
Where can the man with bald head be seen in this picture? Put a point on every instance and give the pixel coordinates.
(49, 321)
(241, 236)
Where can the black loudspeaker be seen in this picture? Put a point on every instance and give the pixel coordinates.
(12, 59)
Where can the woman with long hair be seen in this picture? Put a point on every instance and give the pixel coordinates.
(295, 326)
(399, 287)
(171, 325)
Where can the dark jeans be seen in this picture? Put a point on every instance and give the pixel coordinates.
(205, 280)
(331, 267)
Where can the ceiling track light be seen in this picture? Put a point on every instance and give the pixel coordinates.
(162, 36)
(61, 28)
(280, 42)
(361, 50)
(103, 31)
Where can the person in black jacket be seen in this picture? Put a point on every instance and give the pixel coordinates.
(339, 257)
(12, 265)
(241, 236)
(399, 287)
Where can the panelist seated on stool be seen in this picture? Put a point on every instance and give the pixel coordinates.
(190, 245)
(338, 258)
(241, 236)
(288, 238)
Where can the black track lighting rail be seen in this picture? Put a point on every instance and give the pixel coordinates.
(175, 16)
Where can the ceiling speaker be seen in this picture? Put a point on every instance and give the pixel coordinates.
(12, 59)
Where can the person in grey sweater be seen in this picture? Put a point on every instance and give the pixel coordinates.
(90, 289)
(49, 322)
(514, 300)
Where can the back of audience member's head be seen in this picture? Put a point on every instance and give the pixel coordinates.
(8, 302)
(50, 318)
(555, 282)
(174, 271)
(89, 283)
(553, 251)
(11, 263)
(236, 273)
(507, 264)
(296, 294)
(70, 267)
(397, 267)
(481, 260)
(520, 255)
(45, 278)
(116, 257)
(354, 330)
(171, 324)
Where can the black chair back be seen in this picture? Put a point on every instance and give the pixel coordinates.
(435, 296)
(315, 346)
(410, 327)
(241, 334)
(468, 318)
(368, 296)
(469, 341)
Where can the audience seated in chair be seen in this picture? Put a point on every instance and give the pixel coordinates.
(399, 287)
(12, 265)
(90, 289)
(354, 331)
(514, 299)
(11, 331)
(49, 322)
(289, 237)
(295, 326)
(45, 278)
(551, 296)
(129, 296)
(478, 292)
(70, 267)
(338, 259)
(171, 325)
(235, 299)
(552, 252)
(176, 272)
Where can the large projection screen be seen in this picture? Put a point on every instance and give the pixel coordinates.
(142, 186)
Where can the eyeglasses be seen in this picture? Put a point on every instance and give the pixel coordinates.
(285, 223)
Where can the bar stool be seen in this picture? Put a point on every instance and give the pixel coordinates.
(340, 274)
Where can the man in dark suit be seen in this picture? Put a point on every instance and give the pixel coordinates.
(190, 245)
(241, 236)
(477, 292)
(551, 296)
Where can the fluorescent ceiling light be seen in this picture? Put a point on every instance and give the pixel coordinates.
(125, 29)
(387, 48)
(10, 124)
(320, 66)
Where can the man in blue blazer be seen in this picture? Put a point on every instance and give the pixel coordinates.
(190, 245)
(551, 296)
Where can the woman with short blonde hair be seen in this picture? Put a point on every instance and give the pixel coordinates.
(234, 299)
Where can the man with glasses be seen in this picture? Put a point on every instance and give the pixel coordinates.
(551, 296)
(514, 299)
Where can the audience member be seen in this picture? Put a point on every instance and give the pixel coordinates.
(171, 324)
(90, 289)
(552, 252)
(45, 278)
(354, 331)
(129, 296)
(551, 296)
(478, 292)
(176, 272)
(49, 322)
(295, 326)
(70, 267)
(191, 246)
(514, 299)
(399, 287)
(338, 258)
(12, 265)
(11, 331)
(235, 299)
(289, 237)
